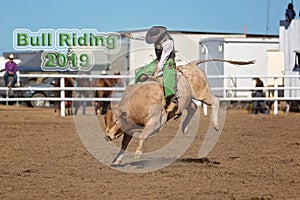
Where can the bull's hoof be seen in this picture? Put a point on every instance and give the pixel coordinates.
(107, 138)
(216, 127)
(185, 131)
(118, 160)
(116, 163)
(138, 155)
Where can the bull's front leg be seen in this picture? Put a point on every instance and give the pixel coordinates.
(147, 131)
(157, 117)
(126, 139)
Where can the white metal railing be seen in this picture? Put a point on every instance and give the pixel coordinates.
(62, 89)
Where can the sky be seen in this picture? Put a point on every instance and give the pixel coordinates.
(226, 16)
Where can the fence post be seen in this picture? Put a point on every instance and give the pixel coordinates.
(276, 96)
(7, 97)
(62, 95)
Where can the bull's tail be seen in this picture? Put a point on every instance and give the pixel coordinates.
(197, 62)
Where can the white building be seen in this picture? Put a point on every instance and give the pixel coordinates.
(236, 46)
(186, 47)
(136, 53)
(262, 50)
(290, 44)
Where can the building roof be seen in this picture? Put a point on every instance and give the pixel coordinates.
(34, 60)
(207, 33)
(242, 40)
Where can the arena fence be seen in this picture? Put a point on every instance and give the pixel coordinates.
(274, 98)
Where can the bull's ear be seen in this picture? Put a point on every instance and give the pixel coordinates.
(123, 115)
(116, 111)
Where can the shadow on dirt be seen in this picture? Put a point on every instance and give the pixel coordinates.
(145, 163)
(154, 162)
(198, 160)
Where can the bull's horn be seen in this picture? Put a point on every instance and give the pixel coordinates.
(123, 115)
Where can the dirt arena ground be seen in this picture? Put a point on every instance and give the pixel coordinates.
(256, 157)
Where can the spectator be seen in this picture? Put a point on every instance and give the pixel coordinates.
(81, 82)
(290, 13)
(11, 69)
(259, 105)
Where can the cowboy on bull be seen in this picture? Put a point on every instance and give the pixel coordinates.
(165, 57)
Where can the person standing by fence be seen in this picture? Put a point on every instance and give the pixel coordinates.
(81, 82)
(259, 105)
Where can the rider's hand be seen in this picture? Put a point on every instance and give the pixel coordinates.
(157, 73)
(128, 35)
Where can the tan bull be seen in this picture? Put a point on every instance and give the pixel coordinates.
(142, 108)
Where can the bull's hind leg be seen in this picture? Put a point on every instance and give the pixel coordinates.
(191, 109)
(215, 112)
(215, 104)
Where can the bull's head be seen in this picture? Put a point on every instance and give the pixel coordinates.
(113, 127)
